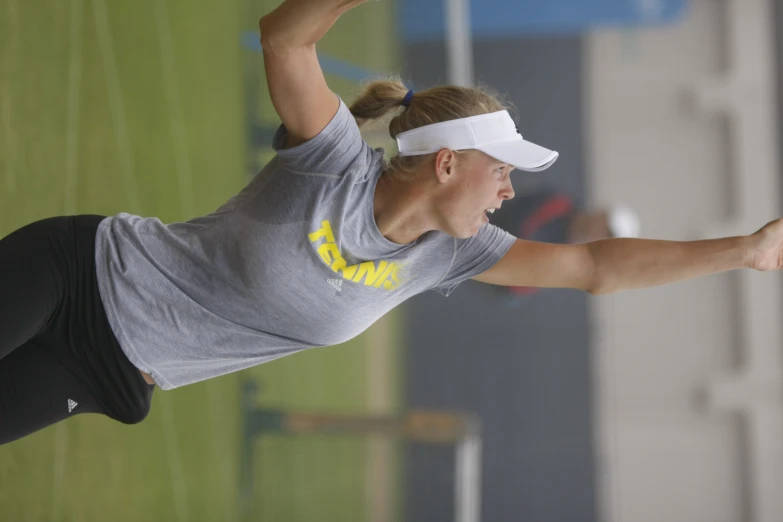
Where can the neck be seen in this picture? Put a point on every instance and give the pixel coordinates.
(401, 209)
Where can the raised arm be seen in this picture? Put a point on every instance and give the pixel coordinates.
(296, 82)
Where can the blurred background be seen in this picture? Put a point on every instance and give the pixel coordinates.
(494, 404)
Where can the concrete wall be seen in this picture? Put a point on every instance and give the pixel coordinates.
(681, 124)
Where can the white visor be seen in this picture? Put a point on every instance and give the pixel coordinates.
(494, 134)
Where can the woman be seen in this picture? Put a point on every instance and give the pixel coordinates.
(327, 238)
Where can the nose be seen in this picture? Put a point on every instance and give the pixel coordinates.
(508, 191)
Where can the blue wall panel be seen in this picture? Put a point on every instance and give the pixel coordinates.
(423, 20)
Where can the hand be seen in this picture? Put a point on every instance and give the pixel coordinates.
(766, 250)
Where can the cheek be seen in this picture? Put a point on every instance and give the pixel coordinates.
(478, 191)
(459, 195)
(469, 197)
(462, 201)
(458, 209)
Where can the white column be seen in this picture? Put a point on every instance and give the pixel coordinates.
(459, 42)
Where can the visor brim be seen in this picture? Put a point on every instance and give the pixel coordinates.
(522, 154)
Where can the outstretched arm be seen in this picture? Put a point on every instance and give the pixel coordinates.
(612, 265)
(296, 82)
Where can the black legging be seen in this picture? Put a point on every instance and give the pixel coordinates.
(58, 355)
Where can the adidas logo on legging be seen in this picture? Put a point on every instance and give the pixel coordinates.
(71, 405)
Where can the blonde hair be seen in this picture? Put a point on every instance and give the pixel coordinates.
(381, 97)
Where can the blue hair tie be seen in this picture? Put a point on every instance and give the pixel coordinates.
(407, 100)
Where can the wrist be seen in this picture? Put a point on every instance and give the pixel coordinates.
(748, 247)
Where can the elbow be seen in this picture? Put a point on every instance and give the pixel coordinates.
(596, 290)
(593, 288)
(267, 33)
(596, 283)
(273, 39)
(601, 286)
(277, 40)
(292, 26)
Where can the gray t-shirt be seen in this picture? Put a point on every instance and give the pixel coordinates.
(294, 261)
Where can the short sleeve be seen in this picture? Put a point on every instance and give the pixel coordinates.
(475, 255)
(332, 152)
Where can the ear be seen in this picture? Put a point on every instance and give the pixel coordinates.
(445, 159)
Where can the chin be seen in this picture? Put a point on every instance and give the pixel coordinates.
(461, 233)
(463, 230)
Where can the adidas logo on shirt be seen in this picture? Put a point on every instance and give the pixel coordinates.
(71, 405)
(337, 284)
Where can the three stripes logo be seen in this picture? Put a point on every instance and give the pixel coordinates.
(337, 284)
(71, 405)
